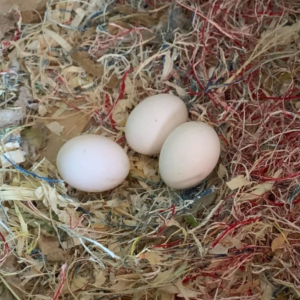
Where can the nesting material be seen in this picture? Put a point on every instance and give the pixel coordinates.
(81, 67)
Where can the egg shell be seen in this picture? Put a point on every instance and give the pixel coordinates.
(189, 155)
(152, 120)
(92, 163)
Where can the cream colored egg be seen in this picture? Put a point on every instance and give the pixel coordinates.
(189, 155)
(92, 163)
(152, 120)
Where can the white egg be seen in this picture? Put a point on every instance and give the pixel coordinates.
(92, 163)
(152, 120)
(189, 155)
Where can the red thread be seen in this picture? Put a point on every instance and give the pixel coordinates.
(231, 227)
(62, 277)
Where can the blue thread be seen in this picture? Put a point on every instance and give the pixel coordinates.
(277, 291)
(192, 14)
(12, 139)
(96, 14)
(89, 19)
(222, 85)
(32, 174)
(64, 10)
(197, 192)
(206, 192)
(7, 79)
(164, 46)
(101, 28)
(294, 193)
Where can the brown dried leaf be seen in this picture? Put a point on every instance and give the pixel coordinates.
(185, 292)
(237, 182)
(282, 35)
(89, 32)
(267, 290)
(130, 222)
(222, 172)
(70, 243)
(164, 277)
(79, 282)
(247, 286)
(69, 216)
(73, 126)
(9, 264)
(55, 127)
(166, 296)
(6, 24)
(123, 9)
(278, 242)
(153, 257)
(23, 5)
(261, 188)
(49, 246)
(122, 285)
(170, 289)
(100, 279)
(219, 249)
(91, 67)
(32, 17)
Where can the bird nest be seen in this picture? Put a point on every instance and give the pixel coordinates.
(80, 67)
